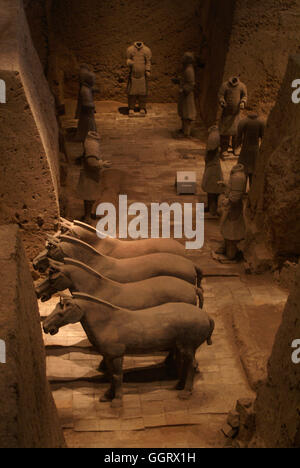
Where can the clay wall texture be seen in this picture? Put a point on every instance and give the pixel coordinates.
(29, 173)
(264, 34)
(216, 23)
(274, 201)
(99, 32)
(28, 417)
(250, 38)
(278, 399)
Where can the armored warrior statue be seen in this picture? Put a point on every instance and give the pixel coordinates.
(250, 133)
(232, 98)
(213, 171)
(231, 209)
(86, 106)
(90, 175)
(139, 62)
(186, 104)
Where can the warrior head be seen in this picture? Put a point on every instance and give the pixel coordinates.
(139, 44)
(234, 80)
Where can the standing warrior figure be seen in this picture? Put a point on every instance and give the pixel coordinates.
(86, 106)
(231, 209)
(213, 171)
(232, 98)
(186, 104)
(139, 62)
(250, 133)
(90, 176)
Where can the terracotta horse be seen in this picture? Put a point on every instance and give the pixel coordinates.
(126, 270)
(116, 332)
(118, 248)
(76, 276)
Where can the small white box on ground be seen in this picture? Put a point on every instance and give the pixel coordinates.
(186, 182)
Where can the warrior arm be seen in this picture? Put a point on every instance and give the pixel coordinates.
(244, 94)
(129, 57)
(148, 60)
(221, 95)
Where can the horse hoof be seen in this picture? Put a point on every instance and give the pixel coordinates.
(102, 367)
(184, 395)
(106, 397)
(179, 386)
(116, 403)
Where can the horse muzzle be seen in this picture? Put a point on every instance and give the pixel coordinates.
(50, 330)
(41, 262)
(43, 291)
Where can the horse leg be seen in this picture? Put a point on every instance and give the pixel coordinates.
(103, 366)
(117, 382)
(110, 392)
(180, 369)
(189, 373)
(171, 363)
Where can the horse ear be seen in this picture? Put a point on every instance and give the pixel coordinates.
(52, 239)
(65, 223)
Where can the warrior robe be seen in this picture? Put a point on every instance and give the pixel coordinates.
(231, 206)
(186, 104)
(213, 171)
(139, 60)
(250, 131)
(232, 93)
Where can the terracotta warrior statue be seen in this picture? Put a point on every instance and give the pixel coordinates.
(139, 62)
(86, 106)
(213, 171)
(231, 209)
(186, 104)
(250, 133)
(232, 98)
(90, 175)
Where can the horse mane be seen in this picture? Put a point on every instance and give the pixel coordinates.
(75, 240)
(88, 227)
(83, 266)
(88, 297)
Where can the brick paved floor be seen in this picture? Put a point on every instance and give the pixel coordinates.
(152, 415)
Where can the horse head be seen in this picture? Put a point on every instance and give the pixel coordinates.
(41, 262)
(66, 311)
(58, 280)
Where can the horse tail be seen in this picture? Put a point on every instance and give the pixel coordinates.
(199, 292)
(199, 273)
(212, 327)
